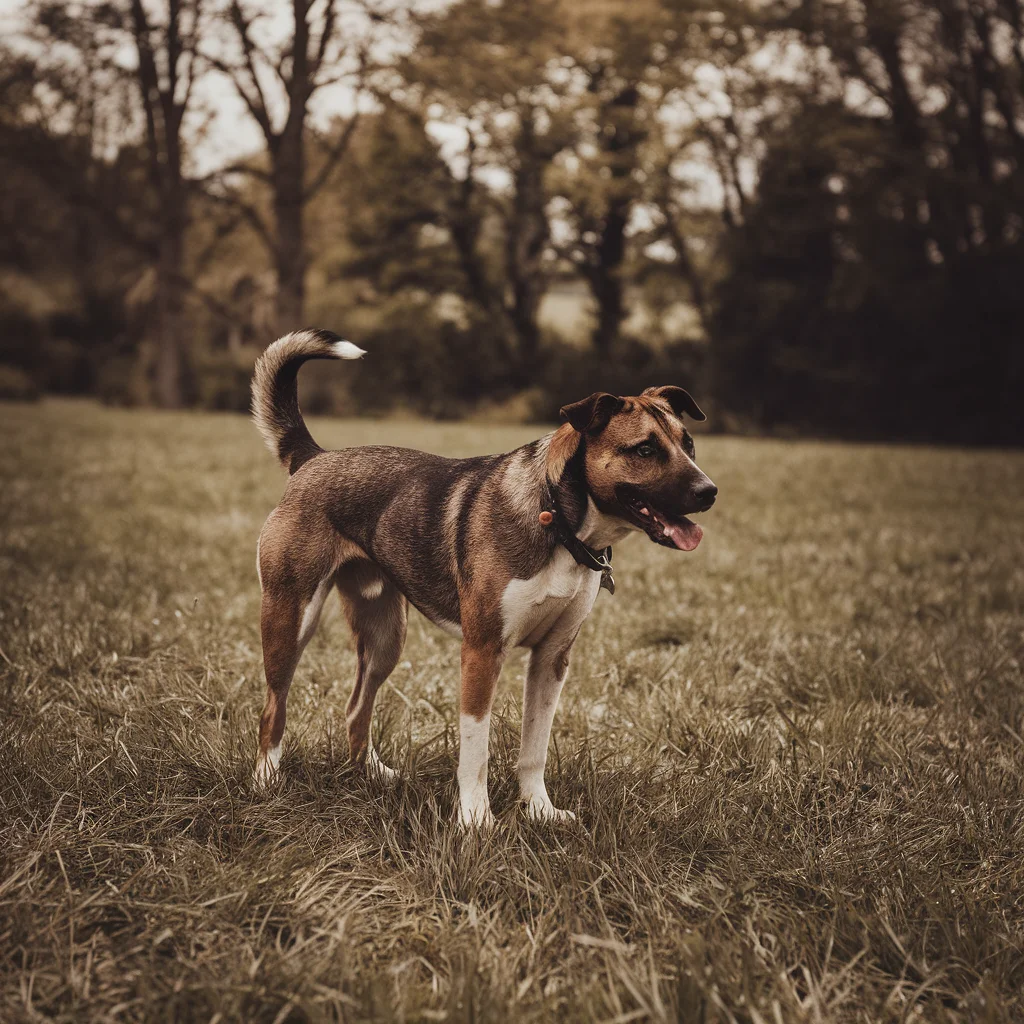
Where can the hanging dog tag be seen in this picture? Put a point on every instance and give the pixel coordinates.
(608, 581)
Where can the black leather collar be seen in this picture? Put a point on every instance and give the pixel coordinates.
(598, 561)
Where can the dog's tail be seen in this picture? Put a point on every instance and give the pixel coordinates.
(275, 397)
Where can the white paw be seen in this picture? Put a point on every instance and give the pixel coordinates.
(542, 809)
(267, 772)
(476, 817)
(375, 766)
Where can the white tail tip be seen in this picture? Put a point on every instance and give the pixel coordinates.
(346, 350)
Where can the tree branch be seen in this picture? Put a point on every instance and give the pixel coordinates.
(334, 154)
(330, 20)
(252, 103)
(193, 53)
(255, 101)
(251, 215)
(222, 231)
(213, 304)
(148, 82)
(239, 167)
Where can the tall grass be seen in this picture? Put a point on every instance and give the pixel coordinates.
(797, 755)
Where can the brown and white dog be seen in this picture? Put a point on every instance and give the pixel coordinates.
(502, 551)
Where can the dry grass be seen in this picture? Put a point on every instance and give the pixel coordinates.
(797, 756)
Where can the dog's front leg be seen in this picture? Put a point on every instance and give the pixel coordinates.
(481, 666)
(549, 665)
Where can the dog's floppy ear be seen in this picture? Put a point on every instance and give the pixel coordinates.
(564, 444)
(593, 413)
(680, 400)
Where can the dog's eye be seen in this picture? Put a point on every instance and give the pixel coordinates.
(645, 450)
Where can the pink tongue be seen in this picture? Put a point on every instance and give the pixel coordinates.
(686, 536)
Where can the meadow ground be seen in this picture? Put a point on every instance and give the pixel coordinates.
(797, 755)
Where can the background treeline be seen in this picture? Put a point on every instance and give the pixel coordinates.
(809, 210)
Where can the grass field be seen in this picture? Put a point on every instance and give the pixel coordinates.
(797, 755)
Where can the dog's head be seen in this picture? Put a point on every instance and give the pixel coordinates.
(638, 460)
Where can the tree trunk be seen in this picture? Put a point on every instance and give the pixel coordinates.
(290, 266)
(170, 274)
(527, 236)
(288, 156)
(620, 141)
(164, 112)
(605, 277)
(885, 39)
(290, 242)
(685, 265)
(170, 358)
(465, 222)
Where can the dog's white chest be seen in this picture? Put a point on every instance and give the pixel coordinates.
(531, 607)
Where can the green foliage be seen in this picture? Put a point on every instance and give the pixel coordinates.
(829, 194)
(840, 313)
(397, 226)
(224, 379)
(795, 754)
(435, 366)
(872, 288)
(570, 372)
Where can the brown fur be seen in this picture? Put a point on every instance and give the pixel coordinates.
(279, 625)
(378, 624)
(481, 667)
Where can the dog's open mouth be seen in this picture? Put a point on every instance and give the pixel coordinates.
(675, 532)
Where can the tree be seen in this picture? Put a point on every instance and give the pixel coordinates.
(314, 55)
(166, 50)
(492, 70)
(635, 67)
(63, 263)
(154, 47)
(878, 264)
(719, 99)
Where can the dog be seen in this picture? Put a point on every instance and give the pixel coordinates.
(502, 551)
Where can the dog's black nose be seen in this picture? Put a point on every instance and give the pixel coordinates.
(705, 495)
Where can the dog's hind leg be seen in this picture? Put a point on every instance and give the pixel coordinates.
(288, 618)
(377, 613)
(296, 565)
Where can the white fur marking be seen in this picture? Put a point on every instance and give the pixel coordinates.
(451, 512)
(530, 607)
(376, 765)
(542, 809)
(599, 530)
(357, 710)
(259, 574)
(474, 804)
(267, 768)
(372, 589)
(346, 350)
(311, 616)
(540, 699)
